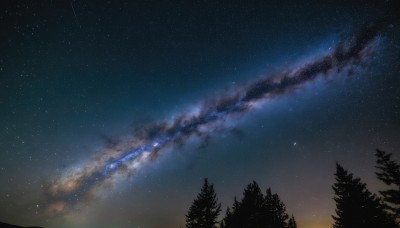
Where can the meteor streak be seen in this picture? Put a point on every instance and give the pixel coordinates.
(83, 184)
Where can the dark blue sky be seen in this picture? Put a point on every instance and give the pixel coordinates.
(75, 75)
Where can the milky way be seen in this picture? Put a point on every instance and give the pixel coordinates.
(124, 158)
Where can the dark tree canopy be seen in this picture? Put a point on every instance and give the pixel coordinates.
(276, 210)
(389, 173)
(292, 223)
(256, 210)
(205, 209)
(356, 206)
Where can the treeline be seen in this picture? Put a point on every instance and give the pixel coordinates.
(356, 206)
(255, 209)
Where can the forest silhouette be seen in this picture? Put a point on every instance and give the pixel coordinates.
(356, 206)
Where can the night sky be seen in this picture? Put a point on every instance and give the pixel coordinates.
(113, 112)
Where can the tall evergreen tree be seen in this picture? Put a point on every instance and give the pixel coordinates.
(292, 223)
(256, 210)
(276, 211)
(205, 209)
(249, 211)
(355, 205)
(232, 217)
(389, 173)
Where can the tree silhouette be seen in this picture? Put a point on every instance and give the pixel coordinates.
(355, 205)
(251, 207)
(231, 217)
(292, 223)
(276, 210)
(389, 173)
(256, 210)
(205, 209)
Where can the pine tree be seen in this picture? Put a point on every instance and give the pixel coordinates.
(205, 209)
(232, 217)
(292, 223)
(251, 208)
(276, 211)
(389, 173)
(256, 210)
(249, 211)
(355, 205)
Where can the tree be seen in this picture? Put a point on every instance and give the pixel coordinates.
(292, 223)
(356, 206)
(248, 212)
(256, 210)
(251, 207)
(276, 211)
(389, 173)
(231, 217)
(205, 209)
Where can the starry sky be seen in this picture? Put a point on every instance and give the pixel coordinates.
(85, 83)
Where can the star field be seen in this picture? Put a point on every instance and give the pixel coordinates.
(113, 112)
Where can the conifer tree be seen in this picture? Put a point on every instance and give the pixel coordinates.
(275, 211)
(232, 218)
(355, 205)
(389, 173)
(205, 209)
(256, 210)
(292, 223)
(251, 209)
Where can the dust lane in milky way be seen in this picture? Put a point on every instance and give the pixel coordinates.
(66, 192)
